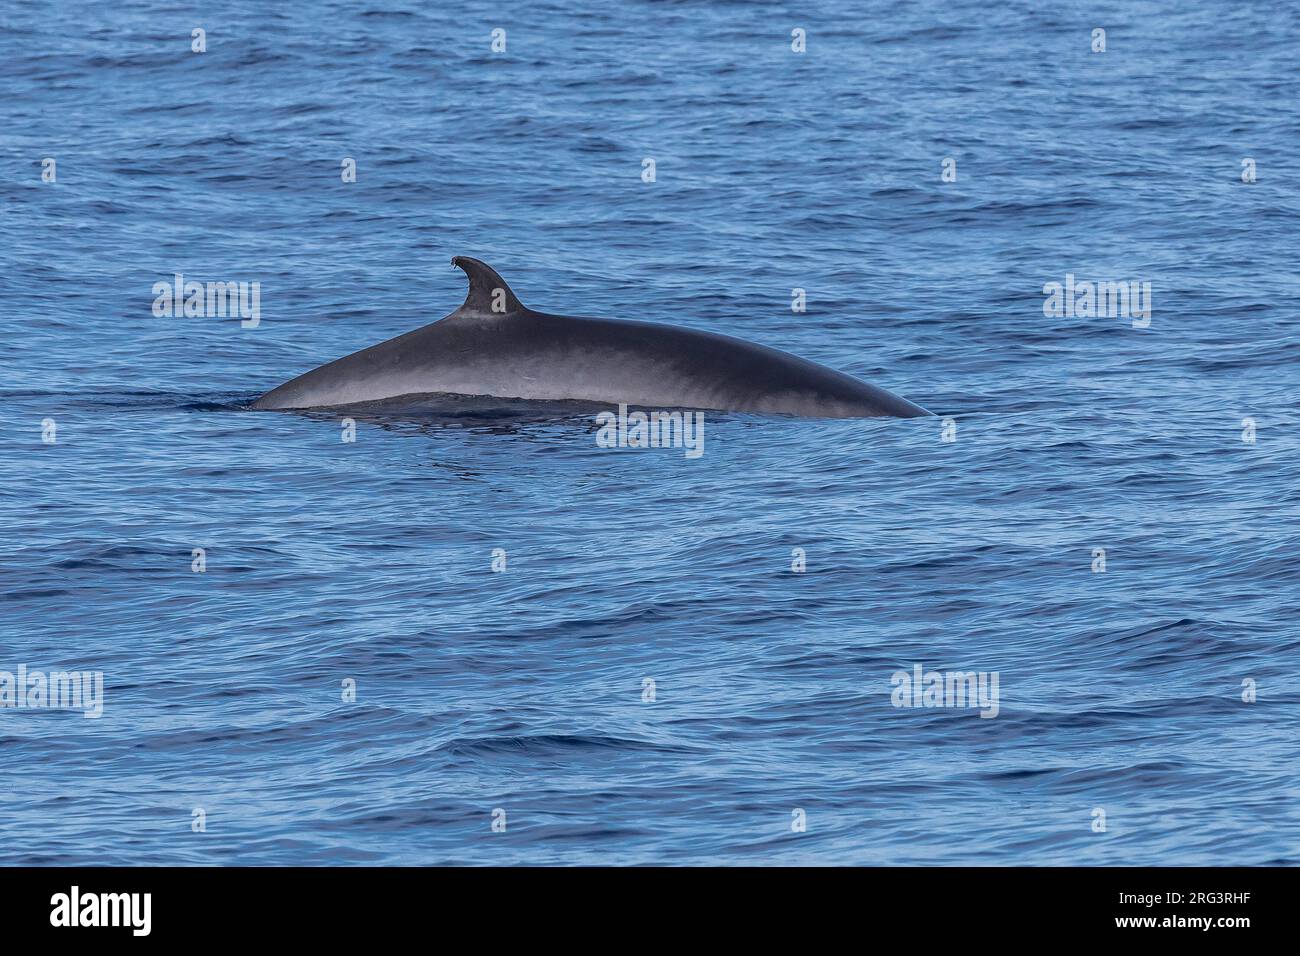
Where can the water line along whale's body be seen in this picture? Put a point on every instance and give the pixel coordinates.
(493, 345)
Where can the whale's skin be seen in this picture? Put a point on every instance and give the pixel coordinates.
(517, 353)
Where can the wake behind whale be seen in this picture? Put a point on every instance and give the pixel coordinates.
(494, 346)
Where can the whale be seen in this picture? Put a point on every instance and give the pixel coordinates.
(494, 346)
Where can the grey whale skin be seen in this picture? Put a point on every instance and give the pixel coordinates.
(519, 353)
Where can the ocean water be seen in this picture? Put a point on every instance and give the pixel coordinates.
(649, 680)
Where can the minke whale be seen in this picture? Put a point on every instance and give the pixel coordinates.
(493, 345)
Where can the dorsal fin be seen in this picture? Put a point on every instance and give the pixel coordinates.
(486, 289)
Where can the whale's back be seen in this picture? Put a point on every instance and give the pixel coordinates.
(493, 345)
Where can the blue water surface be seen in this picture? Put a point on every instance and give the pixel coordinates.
(521, 696)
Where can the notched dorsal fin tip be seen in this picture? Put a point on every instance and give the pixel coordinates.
(488, 292)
